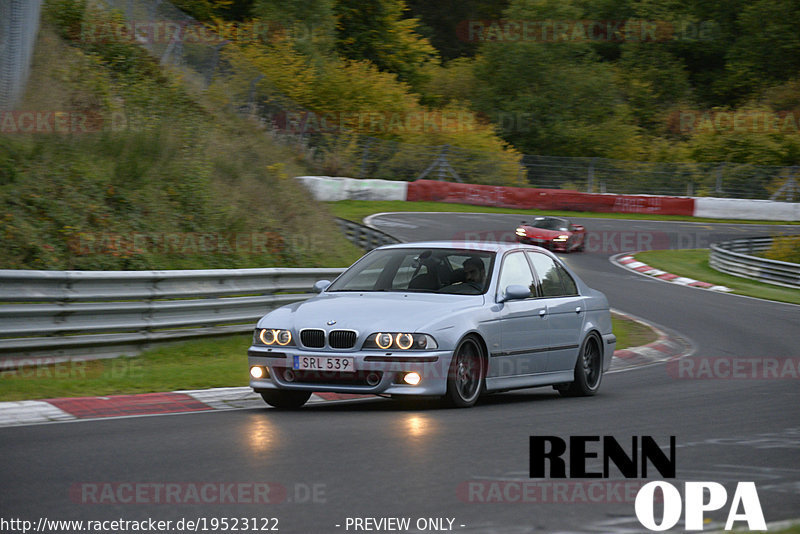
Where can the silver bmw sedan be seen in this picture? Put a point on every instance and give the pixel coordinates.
(451, 320)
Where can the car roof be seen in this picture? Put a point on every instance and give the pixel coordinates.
(483, 246)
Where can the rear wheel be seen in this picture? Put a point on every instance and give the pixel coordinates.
(588, 370)
(284, 399)
(467, 371)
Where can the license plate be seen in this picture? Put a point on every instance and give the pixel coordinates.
(324, 363)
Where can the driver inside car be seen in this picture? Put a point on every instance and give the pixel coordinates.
(474, 274)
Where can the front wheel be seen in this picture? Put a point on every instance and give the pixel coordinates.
(467, 371)
(588, 370)
(284, 399)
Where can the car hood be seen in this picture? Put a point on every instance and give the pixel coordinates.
(372, 311)
(544, 233)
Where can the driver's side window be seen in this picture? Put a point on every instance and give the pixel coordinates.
(516, 271)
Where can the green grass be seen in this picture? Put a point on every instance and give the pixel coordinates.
(630, 333)
(794, 529)
(694, 264)
(199, 364)
(356, 210)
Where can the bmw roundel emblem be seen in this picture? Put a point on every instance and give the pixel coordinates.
(331, 322)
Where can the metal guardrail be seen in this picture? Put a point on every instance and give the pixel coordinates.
(735, 257)
(55, 316)
(19, 24)
(68, 315)
(363, 236)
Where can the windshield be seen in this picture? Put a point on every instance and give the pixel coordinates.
(551, 224)
(431, 270)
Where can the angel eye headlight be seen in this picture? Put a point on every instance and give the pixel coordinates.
(404, 341)
(400, 341)
(283, 338)
(267, 336)
(273, 336)
(383, 341)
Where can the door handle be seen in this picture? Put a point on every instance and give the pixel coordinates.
(542, 313)
(578, 309)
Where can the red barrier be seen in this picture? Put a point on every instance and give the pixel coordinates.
(546, 199)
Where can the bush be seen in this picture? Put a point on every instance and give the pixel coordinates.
(784, 249)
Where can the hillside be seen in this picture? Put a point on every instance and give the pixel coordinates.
(114, 164)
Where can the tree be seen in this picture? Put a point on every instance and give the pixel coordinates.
(377, 32)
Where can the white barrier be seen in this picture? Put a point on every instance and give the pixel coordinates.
(326, 188)
(734, 208)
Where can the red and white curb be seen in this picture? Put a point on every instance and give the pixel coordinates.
(667, 346)
(630, 262)
(77, 408)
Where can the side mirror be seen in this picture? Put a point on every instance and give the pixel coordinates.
(515, 292)
(321, 285)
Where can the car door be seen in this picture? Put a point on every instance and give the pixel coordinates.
(564, 309)
(523, 328)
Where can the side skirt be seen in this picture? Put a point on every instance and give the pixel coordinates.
(527, 381)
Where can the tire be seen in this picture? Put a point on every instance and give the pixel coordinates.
(284, 399)
(465, 381)
(588, 370)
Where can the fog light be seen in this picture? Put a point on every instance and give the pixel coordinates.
(257, 372)
(412, 379)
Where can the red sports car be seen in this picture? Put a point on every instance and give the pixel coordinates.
(553, 233)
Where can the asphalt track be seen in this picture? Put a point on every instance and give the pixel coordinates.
(378, 459)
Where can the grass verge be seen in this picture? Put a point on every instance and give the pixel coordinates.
(694, 264)
(200, 364)
(631, 333)
(794, 529)
(356, 210)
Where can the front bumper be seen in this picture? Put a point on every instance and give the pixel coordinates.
(609, 345)
(432, 366)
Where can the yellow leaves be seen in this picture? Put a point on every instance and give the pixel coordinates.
(339, 92)
(279, 170)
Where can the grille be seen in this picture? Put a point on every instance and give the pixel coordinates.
(342, 339)
(359, 378)
(314, 339)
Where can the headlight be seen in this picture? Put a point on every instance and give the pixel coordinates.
(561, 238)
(271, 336)
(399, 341)
(521, 232)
